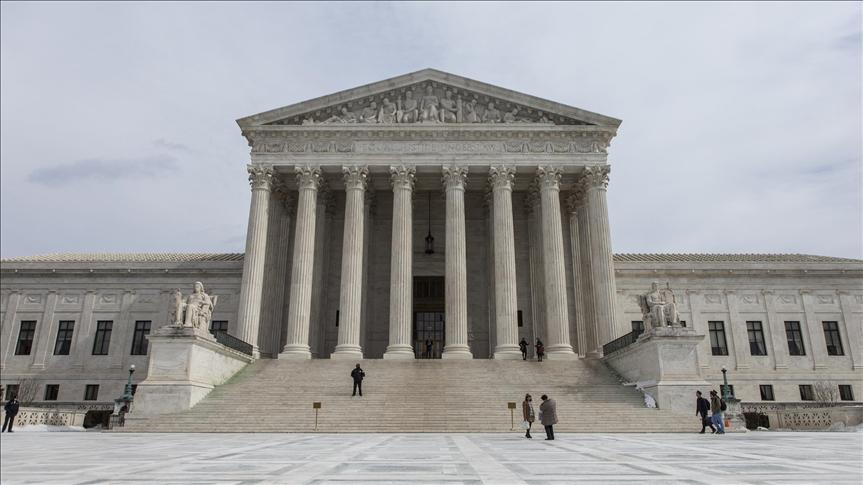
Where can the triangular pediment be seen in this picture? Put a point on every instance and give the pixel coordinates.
(427, 97)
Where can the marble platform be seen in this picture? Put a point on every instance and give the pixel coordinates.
(763, 458)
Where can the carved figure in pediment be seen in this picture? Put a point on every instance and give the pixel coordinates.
(387, 113)
(429, 106)
(470, 114)
(408, 111)
(510, 116)
(491, 115)
(308, 121)
(369, 114)
(449, 109)
(196, 310)
(542, 118)
(344, 116)
(659, 308)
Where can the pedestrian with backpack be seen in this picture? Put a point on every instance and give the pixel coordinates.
(717, 405)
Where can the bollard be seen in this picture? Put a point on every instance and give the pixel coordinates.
(316, 406)
(511, 406)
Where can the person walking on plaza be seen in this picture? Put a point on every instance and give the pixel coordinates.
(716, 412)
(523, 346)
(357, 374)
(11, 409)
(540, 350)
(701, 407)
(528, 413)
(548, 416)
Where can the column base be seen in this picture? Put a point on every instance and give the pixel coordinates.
(399, 352)
(347, 352)
(456, 352)
(507, 352)
(560, 355)
(296, 352)
(594, 354)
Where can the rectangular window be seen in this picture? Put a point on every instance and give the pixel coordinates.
(638, 326)
(795, 338)
(102, 342)
(219, 326)
(51, 392)
(766, 392)
(831, 336)
(139, 340)
(756, 338)
(806, 393)
(11, 391)
(683, 323)
(25, 337)
(722, 390)
(845, 392)
(91, 392)
(64, 337)
(718, 345)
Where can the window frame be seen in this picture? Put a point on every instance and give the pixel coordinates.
(63, 342)
(25, 337)
(140, 342)
(714, 334)
(791, 336)
(95, 391)
(833, 336)
(850, 392)
(766, 391)
(755, 328)
(102, 339)
(807, 393)
(51, 396)
(11, 391)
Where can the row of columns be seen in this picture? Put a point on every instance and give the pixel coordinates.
(589, 242)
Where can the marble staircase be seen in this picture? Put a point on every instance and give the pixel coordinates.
(417, 396)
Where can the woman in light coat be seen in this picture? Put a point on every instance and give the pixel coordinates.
(528, 413)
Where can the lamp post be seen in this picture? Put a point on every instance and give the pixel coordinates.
(725, 395)
(127, 396)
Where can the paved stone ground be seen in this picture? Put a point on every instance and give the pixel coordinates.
(764, 458)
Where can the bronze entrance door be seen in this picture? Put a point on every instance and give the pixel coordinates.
(429, 325)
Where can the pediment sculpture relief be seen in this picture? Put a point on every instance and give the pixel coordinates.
(429, 103)
(659, 308)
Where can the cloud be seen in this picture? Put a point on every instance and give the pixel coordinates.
(170, 145)
(101, 169)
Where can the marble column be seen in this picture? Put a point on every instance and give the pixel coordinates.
(572, 203)
(401, 265)
(558, 345)
(488, 204)
(351, 296)
(299, 308)
(276, 270)
(532, 205)
(249, 309)
(456, 265)
(592, 347)
(595, 181)
(501, 178)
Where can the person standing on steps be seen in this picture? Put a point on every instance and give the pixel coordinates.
(701, 407)
(11, 409)
(540, 350)
(357, 374)
(523, 346)
(548, 416)
(527, 412)
(429, 347)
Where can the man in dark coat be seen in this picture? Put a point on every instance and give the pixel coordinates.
(11, 409)
(523, 346)
(702, 406)
(548, 416)
(357, 374)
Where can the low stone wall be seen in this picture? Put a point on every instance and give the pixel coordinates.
(803, 416)
(28, 416)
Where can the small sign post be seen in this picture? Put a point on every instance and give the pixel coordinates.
(511, 406)
(316, 406)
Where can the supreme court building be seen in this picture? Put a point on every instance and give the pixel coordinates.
(434, 208)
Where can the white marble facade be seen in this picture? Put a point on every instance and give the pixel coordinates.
(513, 189)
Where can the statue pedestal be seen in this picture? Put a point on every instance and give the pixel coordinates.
(185, 365)
(663, 364)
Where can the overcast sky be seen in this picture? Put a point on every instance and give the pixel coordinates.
(741, 122)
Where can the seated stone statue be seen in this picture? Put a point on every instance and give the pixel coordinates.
(429, 106)
(387, 113)
(449, 109)
(197, 309)
(658, 308)
(491, 115)
(408, 111)
(369, 114)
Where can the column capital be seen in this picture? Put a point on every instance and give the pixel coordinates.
(501, 176)
(282, 193)
(402, 176)
(548, 177)
(577, 198)
(308, 176)
(454, 177)
(595, 177)
(260, 176)
(356, 177)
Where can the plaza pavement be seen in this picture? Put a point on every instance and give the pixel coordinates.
(762, 457)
